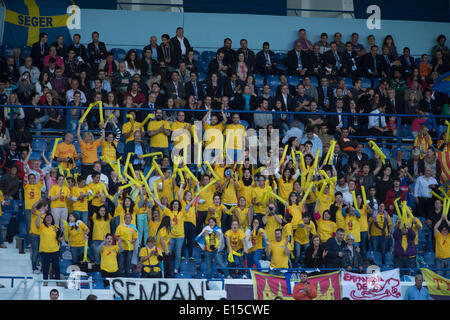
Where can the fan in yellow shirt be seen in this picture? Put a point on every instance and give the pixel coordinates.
(305, 229)
(325, 227)
(129, 128)
(242, 214)
(189, 221)
(126, 236)
(246, 186)
(65, 152)
(442, 245)
(166, 185)
(58, 195)
(150, 257)
(236, 246)
(127, 207)
(101, 227)
(162, 242)
(257, 234)
(259, 200)
(80, 196)
(34, 231)
(205, 201)
(326, 200)
(216, 210)
(213, 136)
(352, 219)
(78, 236)
(181, 136)
(109, 252)
(158, 131)
(271, 221)
(295, 208)
(154, 222)
(278, 251)
(286, 182)
(32, 194)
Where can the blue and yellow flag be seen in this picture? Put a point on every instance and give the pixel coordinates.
(442, 84)
(26, 19)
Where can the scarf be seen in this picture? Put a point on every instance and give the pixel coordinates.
(385, 221)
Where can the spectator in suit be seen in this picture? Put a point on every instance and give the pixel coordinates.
(194, 88)
(97, 50)
(371, 43)
(389, 63)
(325, 94)
(249, 55)
(154, 47)
(219, 67)
(80, 49)
(283, 81)
(232, 86)
(180, 46)
(377, 124)
(167, 58)
(18, 60)
(39, 50)
(323, 43)
(407, 62)
(149, 68)
(11, 73)
(97, 89)
(297, 61)
(73, 65)
(337, 122)
(61, 49)
(358, 155)
(287, 100)
(214, 90)
(349, 61)
(175, 90)
(373, 65)
(230, 56)
(315, 61)
(265, 61)
(191, 64)
(339, 44)
(334, 58)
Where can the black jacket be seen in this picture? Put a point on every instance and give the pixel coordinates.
(79, 52)
(333, 249)
(36, 54)
(314, 62)
(99, 55)
(189, 90)
(261, 61)
(292, 61)
(249, 58)
(177, 58)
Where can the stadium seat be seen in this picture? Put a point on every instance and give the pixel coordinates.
(39, 145)
(405, 131)
(281, 67)
(203, 66)
(25, 51)
(196, 56)
(344, 161)
(77, 146)
(368, 151)
(119, 54)
(293, 81)
(197, 253)
(280, 57)
(417, 62)
(366, 83)
(348, 82)
(429, 258)
(314, 81)
(245, 124)
(202, 76)
(187, 269)
(7, 50)
(138, 52)
(273, 80)
(370, 255)
(376, 82)
(259, 80)
(386, 152)
(207, 56)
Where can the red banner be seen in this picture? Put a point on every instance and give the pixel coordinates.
(268, 287)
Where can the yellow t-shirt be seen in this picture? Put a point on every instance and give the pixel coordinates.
(278, 259)
(120, 212)
(97, 200)
(152, 261)
(153, 227)
(353, 227)
(363, 222)
(246, 192)
(101, 228)
(296, 212)
(442, 246)
(176, 222)
(229, 195)
(127, 233)
(164, 235)
(89, 151)
(80, 204)
(76, 236)
(285, 188)
(2, 198)
(33, 228)
(236, 134)
(217, 213)
(257, 194)
(374, 231)
(48, 241)
(340, 221)
(206, 195)
(256, 238)
(325, 229)
(243, 215)
(159, 140)
(270, 227)
(301, 235)
(189, 216)
(213, 136)
(127, 128)
(325, 201)
(109, 151)
(415, 229)
(60, 202)
(64, 150)
(183, 137)
(211, 239)
(288, 231)
(32, 194)
(235, 238)
(108, 257)
(167, 189)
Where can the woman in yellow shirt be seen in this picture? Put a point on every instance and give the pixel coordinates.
(205, 200)
(285, 184)
(242, 214)
(150, 257)
(162, 242)
(78, 235)
(189, 223)
(109, 251)
(380, 227)
(79, 198)
(259, 201)
(36, 209)
(89, 148)
(229, 190)
(50, 236)
(216, 210)
(154, 222)
(352, 223)
(306, 228)
(326, 228)
(365, 211)
(58, 195)
(257, 234)
(102, 226)
(127, 206)
(442, 247)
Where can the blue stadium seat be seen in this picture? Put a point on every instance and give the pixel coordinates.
(344, 161)
(259, 80)
(63, 265)
(138, 52)
(202, 76)
(348, 82)
(273, 80)
(203, 66)
(7, 50)
(405, 131)
(281, 67)
(293, 81)
(417, 62)
(368, 151)
(77, 146)
(197, 253)
(119, 54)
(188, 268)
(429, 258)
(314, 81)
(378, 258)
(389, 259)
(370, 255)
(366, 83)
(207, 56)
(376, 82)
(386, 152)
(39, 145)
(25, 51)
(196, 56)
(280, 57)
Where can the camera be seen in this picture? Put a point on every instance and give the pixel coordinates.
(59, 233)
(212, 247)
(70, 161)
(228, 172)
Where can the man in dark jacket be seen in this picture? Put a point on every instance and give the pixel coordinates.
(180, 45)
(265, 61)
(335, 248)
(134, 147)
(297, 61)
(97, 50)
(40, 49)
(80, 49)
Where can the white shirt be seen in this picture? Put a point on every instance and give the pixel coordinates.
(103, 178)
(374, 120)
(183, 47)
(422, 186)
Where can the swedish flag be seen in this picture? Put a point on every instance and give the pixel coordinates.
(26, 19)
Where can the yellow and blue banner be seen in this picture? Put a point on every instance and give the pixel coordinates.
(442, 84)
(26, 19)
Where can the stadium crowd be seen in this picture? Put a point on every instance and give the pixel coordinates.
(317, 209)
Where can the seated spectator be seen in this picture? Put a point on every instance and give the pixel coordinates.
(52, 53)
(31, 69)
(10, 184)
(149, 68)
(121, 78)
(315, 253)
(74, 87)
(175, 90)
(240, 67)
(352, 260)
(265, 61)
(297, 61)
(73, 65)
(59, 82)
(335, 250)
(190, 62)
(109, 66)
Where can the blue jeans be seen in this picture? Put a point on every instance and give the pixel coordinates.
(42, 122)
(95, 247)
(299, 253)
(176, 244)
(253, 259)
(217, 257)
(405, 263)
(27, 213)
(238, 263)
(82, 215)
(189, 239)
(379, 244)
(77, 254)
(124, 261)
(142, 226)
(165, 151)
(34, 240)
(363, 245)
(443, 264)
